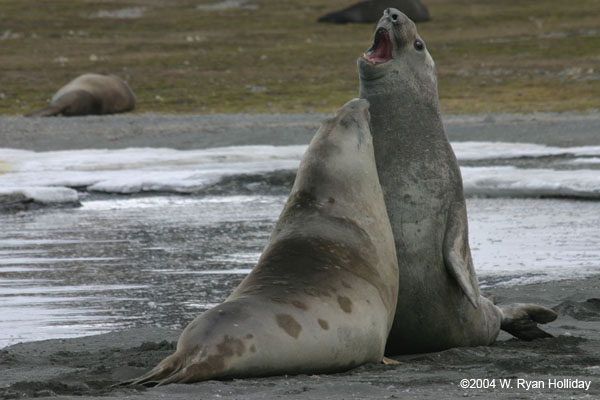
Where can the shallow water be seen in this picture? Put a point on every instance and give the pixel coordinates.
(161, 260)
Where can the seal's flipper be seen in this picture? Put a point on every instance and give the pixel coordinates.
(77, 102)
(49, 111)
(166, 369)
(521, 320)
(389, 361)
(457, 254)
(60, 105)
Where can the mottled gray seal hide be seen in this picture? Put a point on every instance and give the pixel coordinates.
(323, 295)
(439, 305)
(370, 11)
(90, 94)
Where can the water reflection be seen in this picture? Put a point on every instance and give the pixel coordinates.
(126, 261)
(160, 261)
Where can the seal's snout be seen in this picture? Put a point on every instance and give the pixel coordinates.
(358, 108)
(392, 15)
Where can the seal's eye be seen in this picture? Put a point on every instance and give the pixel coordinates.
(419, 45)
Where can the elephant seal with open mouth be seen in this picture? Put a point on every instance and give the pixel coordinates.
(439, 305)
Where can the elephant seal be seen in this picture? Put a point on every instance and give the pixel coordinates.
(323, 294)
(90, 94)
(370, 11)
(439, 305)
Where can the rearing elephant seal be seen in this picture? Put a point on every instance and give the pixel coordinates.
(323, 294)
(439, 305)
(90, 94)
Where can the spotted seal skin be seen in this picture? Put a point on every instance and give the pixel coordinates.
(323, 295)
(439, 304)
(90, 94)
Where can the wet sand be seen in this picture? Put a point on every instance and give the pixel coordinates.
(85, 368)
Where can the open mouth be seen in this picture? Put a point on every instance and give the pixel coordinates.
(381, 50)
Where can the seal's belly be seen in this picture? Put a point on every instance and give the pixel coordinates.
(431, 307)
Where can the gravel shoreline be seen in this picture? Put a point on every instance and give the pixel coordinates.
(203, 131)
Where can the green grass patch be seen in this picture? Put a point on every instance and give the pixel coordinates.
(491, 55)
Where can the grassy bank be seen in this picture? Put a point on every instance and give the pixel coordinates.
(491, 55)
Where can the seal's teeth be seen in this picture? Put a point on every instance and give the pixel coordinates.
(369, 58)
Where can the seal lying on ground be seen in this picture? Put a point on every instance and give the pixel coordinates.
(370, 11)
(439, 305)
(90, 94)
(323, 294)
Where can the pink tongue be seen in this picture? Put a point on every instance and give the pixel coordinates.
(383, 52)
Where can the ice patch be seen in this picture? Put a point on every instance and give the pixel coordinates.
(50, 177)
(40, 194)
(519, 182)
(470, 151)
(47, 176)
(235, 271)
(589, 160)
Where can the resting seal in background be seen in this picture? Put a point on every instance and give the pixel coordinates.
(90, 94)
(323, 294)
(439, 305)
(370, 11)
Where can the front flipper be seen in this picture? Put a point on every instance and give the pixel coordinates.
(457, 254)
(521, 320)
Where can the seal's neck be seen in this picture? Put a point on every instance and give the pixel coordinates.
(406, 121)
(403, 108)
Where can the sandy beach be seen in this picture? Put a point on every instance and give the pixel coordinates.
(85, 368)
(566, 366)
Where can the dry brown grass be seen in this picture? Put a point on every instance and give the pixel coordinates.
(491, 55)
